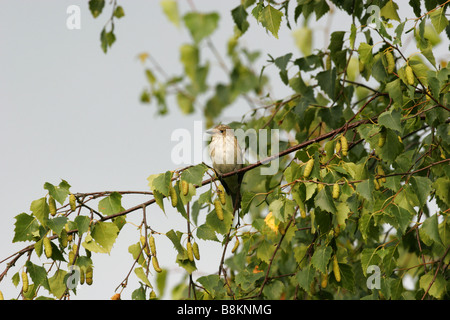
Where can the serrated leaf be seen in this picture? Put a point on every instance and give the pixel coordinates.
(438, 287)
(111, 204)
(442, 187)
(60, 192)
(194, 175)
(265, 251)
(347, 277)
(438, 19)
(220, 226)
(365, 53)
(305, 277)
(135, 250)
(212, 283)
(421, 187)
(326, 80)
(141, 275)
(366, 189)
(105, 234)
(175, 240)
(57, 284)
(369, 256)
(430, 230)
(321, 257)
(239, 15)
(26, 226)
(389, 11)
(38, 274)
(394, 89)
(391, 119)
(325, 201)
(57, 224)
(40, 210)
(82, 223)
(161, 183)
(205, 232)
(270, 18)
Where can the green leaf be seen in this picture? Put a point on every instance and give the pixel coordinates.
(369, 257)
(105, 234)
(325, 201)
(321, 257)
(303, 38)
(170, 9)
(119, 12)
(391, 119)
(394, 90)
(141, 275)
(247, 199)
(135, 250)
(402, 217)
(82, 223)
(26, 226)
(213, 284)
(281, 62)
(305, 277)
(239, 15)
(270, 19)
(111, 204)
(57, 224)
(161, 183)
(201, 25)
(415, 4)
(194, 175)
(38, 274)
(175, 238)
(347, 277)
(442, 187)
(96, 7)
(106, 39)
(282, 209)
(40, 210)
(205, 232)
(365, 53)
(57, 284)
(430, 230)
(389, 11)
(438, 287)
(327, 81)
(438, 19)
(422, 188)
(60, 192)
(265, 251)
(138, 294)
(220, 226)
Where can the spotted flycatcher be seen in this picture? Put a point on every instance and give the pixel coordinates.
(226, 156)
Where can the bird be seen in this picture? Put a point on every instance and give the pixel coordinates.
(226, 156)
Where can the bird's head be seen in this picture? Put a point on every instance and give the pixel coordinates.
(220, 130)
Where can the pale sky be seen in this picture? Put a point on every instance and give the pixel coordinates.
(68, 111)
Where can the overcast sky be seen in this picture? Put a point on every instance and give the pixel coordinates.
(68, 111)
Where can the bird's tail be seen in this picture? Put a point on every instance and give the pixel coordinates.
(232, 186)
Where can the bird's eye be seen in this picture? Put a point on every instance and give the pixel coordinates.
(221, 131)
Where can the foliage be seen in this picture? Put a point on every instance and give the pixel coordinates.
(381, 201)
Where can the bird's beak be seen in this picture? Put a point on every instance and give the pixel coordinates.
(212, 131)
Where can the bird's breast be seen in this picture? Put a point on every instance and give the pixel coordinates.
(226, 154)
